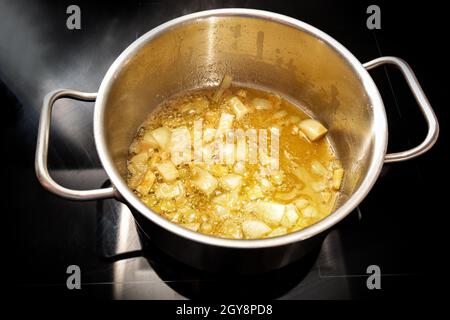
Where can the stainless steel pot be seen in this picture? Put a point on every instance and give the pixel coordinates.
(260, 49)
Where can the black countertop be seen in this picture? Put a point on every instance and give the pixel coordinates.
(394, 227)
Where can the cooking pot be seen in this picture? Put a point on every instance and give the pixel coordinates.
(259, 49)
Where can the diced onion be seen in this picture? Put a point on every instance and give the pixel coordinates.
(149, 141)
(290, 216)
(278, 232)
(238, 107)
(270, 212)
(167, 170)
(313, 129)
(262, 104)
(309, 212)
(231, 229)
(255, 229)
(225, 123)
(147, 182)
(301, 203)
(280, 114)
(319, 169)
(204, 181)
(224, 85)
(168, 191)
(338, 174)
(162, 137)
(231, 182)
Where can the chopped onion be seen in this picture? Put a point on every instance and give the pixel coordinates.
(146, 183)
(224, 85)
(280, 231)
(310, 212)
(319, 169)
(313, 129)
(338, 174)
(270, 212)
(262, 104)
(238, 107)
(255, 192)
(209, 134)
(301, 203)
(231, 229)
(231, 182)
(239, 167)
(167, 170)
(138, 163)
(148, 141)
(225, 123)
(204, 181)
(169, 191)
(280, 114)
(255, 229)
(162, 137)
(290, 216)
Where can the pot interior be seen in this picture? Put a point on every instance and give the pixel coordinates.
(257, 52)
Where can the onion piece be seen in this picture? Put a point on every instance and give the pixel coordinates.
(162, 137)
(225, 123)
(167, 170)
(280, 231)
(231, 182)
(255, 229)
(147, 182)
(255, 192)
(313, 129)
(280, 114)
(209, 134)
(231, 229)
(262, 104)
(224, 85)
(319, 169)
(238, 107)
(138, 163)
(310, 212)
(203, 180)
(338, 174)
(169, 191)
(301, 203)
(148, 141)
(290, 216)
(270, 212)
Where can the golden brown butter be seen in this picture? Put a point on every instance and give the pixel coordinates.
(238, 199)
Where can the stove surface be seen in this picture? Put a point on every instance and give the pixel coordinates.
(391, 228)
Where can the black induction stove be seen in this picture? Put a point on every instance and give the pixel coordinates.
(393, 228)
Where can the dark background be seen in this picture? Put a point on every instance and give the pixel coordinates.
(403, 230)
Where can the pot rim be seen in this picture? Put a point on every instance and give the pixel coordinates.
(379, 120)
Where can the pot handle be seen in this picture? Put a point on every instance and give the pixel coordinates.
(42, 150)
(422, 101)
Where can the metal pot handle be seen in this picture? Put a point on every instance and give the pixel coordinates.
(422, 101)
(42, 150)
